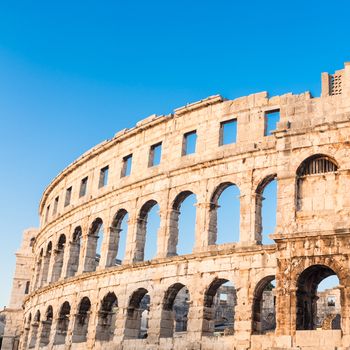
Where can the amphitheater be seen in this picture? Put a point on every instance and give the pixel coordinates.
(78, 299)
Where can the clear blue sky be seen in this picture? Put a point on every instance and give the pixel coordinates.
(72, 73)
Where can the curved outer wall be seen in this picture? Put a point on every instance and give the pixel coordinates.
(316, 234)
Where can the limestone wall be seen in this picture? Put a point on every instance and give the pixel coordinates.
(313, 221)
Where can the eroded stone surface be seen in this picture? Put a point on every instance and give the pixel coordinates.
(82, 301)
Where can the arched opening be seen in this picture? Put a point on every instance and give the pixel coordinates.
(136, 326)
(224, 215)
(58, 259)
(175, 311)
(62, 324)
(119, 231)
(35, 328)
(315, 176)
(81, 323)
(266, 209)
(46, 327)
(148, 224)
(31, 242)
(183, 224)
(74, 252)
(264, 306)
(94, 245)
(46, 264)
(220, 300)
(107, 318)
(318, 299)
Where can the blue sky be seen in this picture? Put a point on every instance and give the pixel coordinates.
(74, 73)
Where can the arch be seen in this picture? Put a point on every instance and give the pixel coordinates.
(46, 265)
(107, 317)
(81, 323)
(74, 252)
(306, 295)
(182, 224)
(313, 181)
(265, 208)
(317, 164)
(94, 245)
(146, 242)
(223, 206)
(136, 324)
(119, 231)
(62, 324)
(219, 303)
(34, 328)
(175, 310)
(46, 327)
(58, 258)
(264, 308)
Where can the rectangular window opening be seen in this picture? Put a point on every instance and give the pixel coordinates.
(103, 177)
(68, 196)
(83, 187)
(55, 205)
(155, 154)
(228, 132)
(271, 120)
(189, 143)
(126, 169)
(47, 213)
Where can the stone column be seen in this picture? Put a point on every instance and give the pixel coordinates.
(167, 233)
(111, 247)
(89, 256)
(246, 236)
(50, 267)
(131, 241)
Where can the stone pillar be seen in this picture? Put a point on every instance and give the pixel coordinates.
(44, 276)
(154, 322)
(246, 236)
(50, 266)
(168, 233)
(131, 241)
(243, 311)
(89, 258)
(111, 247)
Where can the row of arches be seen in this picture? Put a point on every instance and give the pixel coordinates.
(218, 311)
(107, 246)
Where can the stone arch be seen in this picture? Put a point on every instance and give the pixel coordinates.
(62, 323)
(175, 235)
(58, 258)
(211, 302)
(93, 242)
(175, 310)
(264, 309)
(136, 324)
(117, 245)
(107, 317)
(259, 198)
(34, 330)
(312, 177)
(74, 252)
(46, 264)
(46, 327)
(81, 323)
(317, 164)
(306, 294)
(213, 213)
(141, 231)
